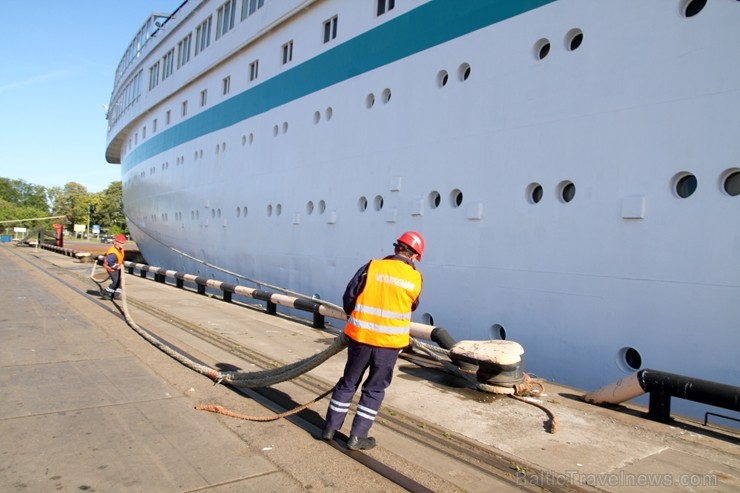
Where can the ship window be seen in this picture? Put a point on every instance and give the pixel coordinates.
(278, 209)
(167, 117)
(316, 116)
(269, 210)
(442, 78)
(573, 39)
(463, 72)
(434, 199)
(226, 85)
(534, 193)
(238, 212)
(225, 18)
(685, 184)
(456, 198)
(287, 52)
(378, 202)
(386, 95)
(203, 97)
(249, 7)
(275, 130)
(362, 204)
(167, 63)
(693, 7)
(254, 70)
(154, 126)
(143, 132)
(244, 211)
(183, 50)
(385, 5)
(285, 127)
(322, 206)
(370, 100)
(329, 113)
(203, 35)
(184, 108)
(153, 76)
(541, 48)
(330, 29)
(428, 319)
(731, 182)
(567, 191)
(309, 207)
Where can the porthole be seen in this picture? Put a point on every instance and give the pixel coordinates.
(251, 138)
(541, 48)
(362, 204)
(427, 318)
(244, 211)
(309, 207)
(463, 72)
(244, 140)
(684, 184)
(322, 206)
(434, 199)
(213, 213)
(316, 117)
(218, 148)
(238, 212)
(498, 332)
(285, 127)
(275, 130)
(386, 95)
(329, 113)
(534, 193)
(731, 182)
(629, 359)
(566, 191)
(378, 202)
(269, 210)
(442, 78)
(278, 209)
(370, 100)
(456, 198)
(692, 7)
(218, 213)
(573, 39)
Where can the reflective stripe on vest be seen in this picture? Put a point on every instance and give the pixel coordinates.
(382, 314)
(119, 257)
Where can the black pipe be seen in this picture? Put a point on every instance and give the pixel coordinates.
(662, 386)
(443, 338)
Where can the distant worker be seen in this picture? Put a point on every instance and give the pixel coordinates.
(378, 301)
(113, 263)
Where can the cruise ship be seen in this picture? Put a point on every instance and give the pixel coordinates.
(573, 165)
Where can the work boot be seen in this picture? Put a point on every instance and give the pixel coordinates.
(360, 443)
(328, 434)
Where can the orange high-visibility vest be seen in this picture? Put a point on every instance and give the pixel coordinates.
(119, 257)
(382, 314)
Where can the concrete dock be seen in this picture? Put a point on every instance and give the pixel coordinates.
(86, 404)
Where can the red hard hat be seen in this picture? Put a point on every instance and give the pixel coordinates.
(413, 240)
(120, 239)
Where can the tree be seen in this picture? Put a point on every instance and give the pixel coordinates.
(74, 200)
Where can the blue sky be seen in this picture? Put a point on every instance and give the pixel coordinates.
(57, 61)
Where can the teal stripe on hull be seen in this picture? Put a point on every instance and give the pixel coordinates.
(431, 24)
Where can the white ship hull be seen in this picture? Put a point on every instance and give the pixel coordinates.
(606, 271)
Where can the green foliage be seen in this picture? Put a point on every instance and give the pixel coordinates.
(21, 200)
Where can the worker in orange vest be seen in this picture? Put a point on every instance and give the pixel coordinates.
(113, 263)
(378, 301)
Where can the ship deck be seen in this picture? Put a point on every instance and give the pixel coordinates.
(90, 405)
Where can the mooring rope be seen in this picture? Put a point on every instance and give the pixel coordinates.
(267, 378)
(238, 379)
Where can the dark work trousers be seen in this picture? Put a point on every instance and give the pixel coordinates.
(361, 357)
(115, 277)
